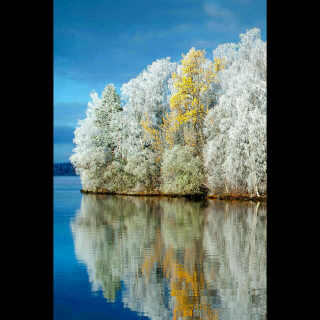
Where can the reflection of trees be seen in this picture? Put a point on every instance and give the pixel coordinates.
(94, 235)
(235, 242)
(177, 259)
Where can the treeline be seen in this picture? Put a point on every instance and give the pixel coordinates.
(194, 127)
(63, 169)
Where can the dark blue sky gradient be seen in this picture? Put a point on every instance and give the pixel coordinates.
(98, 42)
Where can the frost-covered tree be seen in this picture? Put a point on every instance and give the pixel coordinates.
(90, 157)
(235, 130)
(105, 118)
(182, 171)
(145, 103)
(96, 142)
(188, 105)
(110, 118)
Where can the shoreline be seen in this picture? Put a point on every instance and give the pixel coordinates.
(231, 196)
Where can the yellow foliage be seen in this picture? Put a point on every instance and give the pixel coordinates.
(187, 108)
(186, 105)
(218, 64)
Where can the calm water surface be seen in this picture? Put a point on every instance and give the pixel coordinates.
(121, 257)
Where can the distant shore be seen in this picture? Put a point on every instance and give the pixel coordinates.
(226, 196)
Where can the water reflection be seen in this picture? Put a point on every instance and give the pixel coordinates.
(177, 259)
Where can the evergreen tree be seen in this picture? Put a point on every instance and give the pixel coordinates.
(105, 118)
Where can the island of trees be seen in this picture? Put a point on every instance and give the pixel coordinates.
(197, 127)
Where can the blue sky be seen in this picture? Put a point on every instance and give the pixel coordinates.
(97, 42)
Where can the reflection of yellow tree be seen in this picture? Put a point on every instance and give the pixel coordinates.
(187, 106)
(186, 288)
(186, 278)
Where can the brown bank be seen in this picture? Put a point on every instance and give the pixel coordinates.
(224, 196)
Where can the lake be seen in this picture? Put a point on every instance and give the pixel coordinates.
(118, 257)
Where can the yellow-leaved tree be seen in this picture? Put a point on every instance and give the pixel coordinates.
(179, 141)
(188, 106)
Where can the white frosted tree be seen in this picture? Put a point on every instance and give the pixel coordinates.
(96, 142)
(109, 118)
(182, 171)
(105, 117)
(235, 153)
(146, 100)
(147, 94)
(89, 157)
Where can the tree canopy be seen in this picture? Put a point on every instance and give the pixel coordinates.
(191, 127)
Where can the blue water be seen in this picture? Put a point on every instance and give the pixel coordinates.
(73, 298)
(119, 257)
